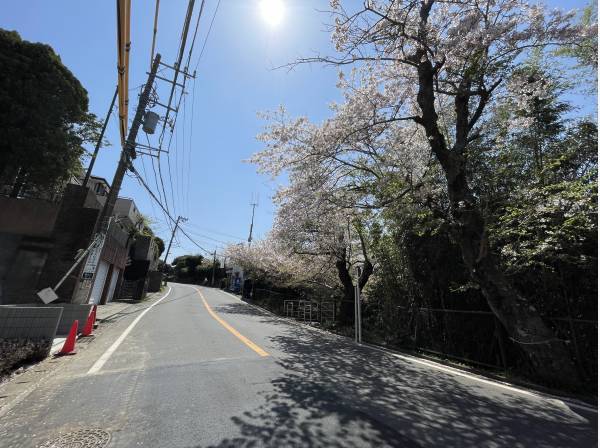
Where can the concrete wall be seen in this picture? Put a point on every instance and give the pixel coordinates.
(32, 217)
(73, 231)
(25, 237)
(26, 334)
(24, 270)
(39, 241)
(29, 322)
(146, 249)
(70, 313)
(125, 208)
(34, 256)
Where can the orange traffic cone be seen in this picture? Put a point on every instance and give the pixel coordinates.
(69, 346)
(89, 324)
(94, 323)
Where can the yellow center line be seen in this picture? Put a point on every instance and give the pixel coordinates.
(232, 330)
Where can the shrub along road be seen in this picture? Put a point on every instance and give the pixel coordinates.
(201, 368)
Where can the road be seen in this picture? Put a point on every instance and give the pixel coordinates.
(202, 369)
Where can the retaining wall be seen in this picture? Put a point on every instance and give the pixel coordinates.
(26, 334)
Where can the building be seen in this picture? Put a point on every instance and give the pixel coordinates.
(127, 212)
(98, 185)
(123, 235)
(39, 239)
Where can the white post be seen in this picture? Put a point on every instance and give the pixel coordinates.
(358, 310)
(356, 313)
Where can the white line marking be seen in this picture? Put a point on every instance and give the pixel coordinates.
(496, 383)
(233, 295)
(102, 360)
(451, 370)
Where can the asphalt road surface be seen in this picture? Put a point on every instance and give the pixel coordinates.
(202, 369)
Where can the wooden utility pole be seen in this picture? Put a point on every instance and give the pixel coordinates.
(254, 205)
(103, 222)
(128, 152)
(212, 283)
(99, 142)
(179, 218)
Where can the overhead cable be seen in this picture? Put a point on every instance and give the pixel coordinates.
(143, 183)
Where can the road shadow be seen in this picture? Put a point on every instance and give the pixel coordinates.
(334, 393)
(242, 309)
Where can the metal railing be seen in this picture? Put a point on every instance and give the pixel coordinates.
(310, 311)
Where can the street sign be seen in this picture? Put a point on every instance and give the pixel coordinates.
(47, 295)
(91, 264)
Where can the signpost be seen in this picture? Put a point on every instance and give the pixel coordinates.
(91, 264)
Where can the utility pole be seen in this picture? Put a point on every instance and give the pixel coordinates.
(103, 222)
(99, 142)
(212, 283)
(254, 205)
(179, 218)
(128, 152)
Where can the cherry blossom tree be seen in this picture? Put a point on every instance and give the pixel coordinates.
(427, 73)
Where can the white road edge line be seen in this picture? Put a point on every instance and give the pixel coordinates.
(107, 354)
(499, 384)
(451, 370)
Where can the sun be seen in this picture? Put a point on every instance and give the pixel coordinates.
(272, 11)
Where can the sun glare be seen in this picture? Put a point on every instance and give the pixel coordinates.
(272, 11)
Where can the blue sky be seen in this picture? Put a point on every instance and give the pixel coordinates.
(235, 80)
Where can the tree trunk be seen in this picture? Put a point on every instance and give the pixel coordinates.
(548, 356)
(346, 314)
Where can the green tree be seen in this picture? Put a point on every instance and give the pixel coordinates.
(585, 51)
(147, 231)
(186, 267)
(44, 118)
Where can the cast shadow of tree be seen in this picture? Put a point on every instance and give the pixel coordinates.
(334, 393)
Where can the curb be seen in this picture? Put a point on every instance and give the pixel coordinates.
(147, 299)
(432, 363)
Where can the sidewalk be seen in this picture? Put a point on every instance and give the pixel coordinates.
(17, 385)
(104, 314)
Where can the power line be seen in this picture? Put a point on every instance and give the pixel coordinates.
(187, 190)
(168, 151)
(207, 35)
(183, 39)
(177, 66)
(195, 34)
(238, 238)
(143, 183)
(174, 84)
(209, 238)
(156, 180)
